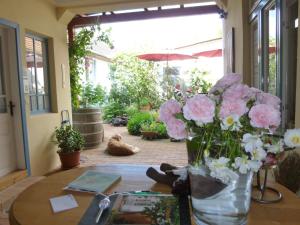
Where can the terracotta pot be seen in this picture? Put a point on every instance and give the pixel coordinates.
(69, 160)
(149, 135)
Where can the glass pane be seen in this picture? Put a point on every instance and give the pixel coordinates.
(41, 103)
(30, 64)
(272, 80)
(270, 49)
(2, 87)
(3, 108)
(33, 103)
(255, 55)
(39, 59)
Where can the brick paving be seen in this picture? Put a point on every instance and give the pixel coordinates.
(151, 152)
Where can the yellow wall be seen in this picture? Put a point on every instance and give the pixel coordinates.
(40, 17)
(236, 19)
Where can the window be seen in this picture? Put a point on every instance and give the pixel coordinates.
(37, 66)
(265, 64)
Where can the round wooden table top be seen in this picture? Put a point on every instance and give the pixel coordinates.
(32, 207)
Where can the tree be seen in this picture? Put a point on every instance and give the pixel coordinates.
(198, 82)
(134, 80)
(78, 50)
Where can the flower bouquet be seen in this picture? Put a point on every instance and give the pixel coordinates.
(229, 136)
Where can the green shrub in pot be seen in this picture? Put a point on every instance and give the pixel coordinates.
(70, 143)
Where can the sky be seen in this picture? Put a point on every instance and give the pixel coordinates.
(162, 34)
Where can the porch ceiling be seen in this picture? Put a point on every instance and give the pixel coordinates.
(96, 6)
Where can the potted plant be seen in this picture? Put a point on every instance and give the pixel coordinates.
(154, 130)
(70, 143)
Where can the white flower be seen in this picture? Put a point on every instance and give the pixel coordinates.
(254, 165)
(231, 122)
(219, 170)
(292, 138)
(251, 142)
(275, 148)
(243, 165)
(258, 154)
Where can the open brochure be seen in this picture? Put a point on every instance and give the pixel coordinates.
(145, 210)
(135, 209)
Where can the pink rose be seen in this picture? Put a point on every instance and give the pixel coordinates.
(168, 110)
(233, 107)
(226, 82)
(238, 91)
(268, 99)
(264, 116)
(176, 129)
(199, 108)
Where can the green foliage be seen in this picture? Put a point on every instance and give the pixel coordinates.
(133, 80)
(92, 95)
(131, 111)
(144, 102)
(135, 123)
(164, 212)
(68, 139)
(198, 82)
(156, 127)
(78, 50)
(112, 110)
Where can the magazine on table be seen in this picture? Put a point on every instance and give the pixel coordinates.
(139, 209)
(93, 181)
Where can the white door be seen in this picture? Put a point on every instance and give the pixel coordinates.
(8, 159)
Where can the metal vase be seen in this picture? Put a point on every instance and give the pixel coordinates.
(217, 203)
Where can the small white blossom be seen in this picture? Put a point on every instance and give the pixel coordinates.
(255, 165)
(219, 170)
(244, 165)
(292, 138)
(231, 122)
(258, 154)
(251, 142)
(275, 148)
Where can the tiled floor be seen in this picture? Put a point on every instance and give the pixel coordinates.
(151, 152)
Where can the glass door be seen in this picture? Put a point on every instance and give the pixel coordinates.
(3, 108)
(270, 50)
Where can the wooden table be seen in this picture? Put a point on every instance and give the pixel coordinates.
(32, 207)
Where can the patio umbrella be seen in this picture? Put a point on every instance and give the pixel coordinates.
(165, 56)
(210, 53)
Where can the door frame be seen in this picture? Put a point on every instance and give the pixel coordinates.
(16, 28)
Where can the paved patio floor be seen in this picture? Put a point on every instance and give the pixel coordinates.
(151, 152)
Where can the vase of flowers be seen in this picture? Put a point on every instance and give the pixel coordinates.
(229, 137)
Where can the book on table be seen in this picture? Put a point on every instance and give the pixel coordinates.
(93, 181)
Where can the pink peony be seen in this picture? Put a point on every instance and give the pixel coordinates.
(238, 91)
(233, 107)
(264, 116)
(168, 110)
(176, 129)
(226, 82)
(199, 108)
(268, 99)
